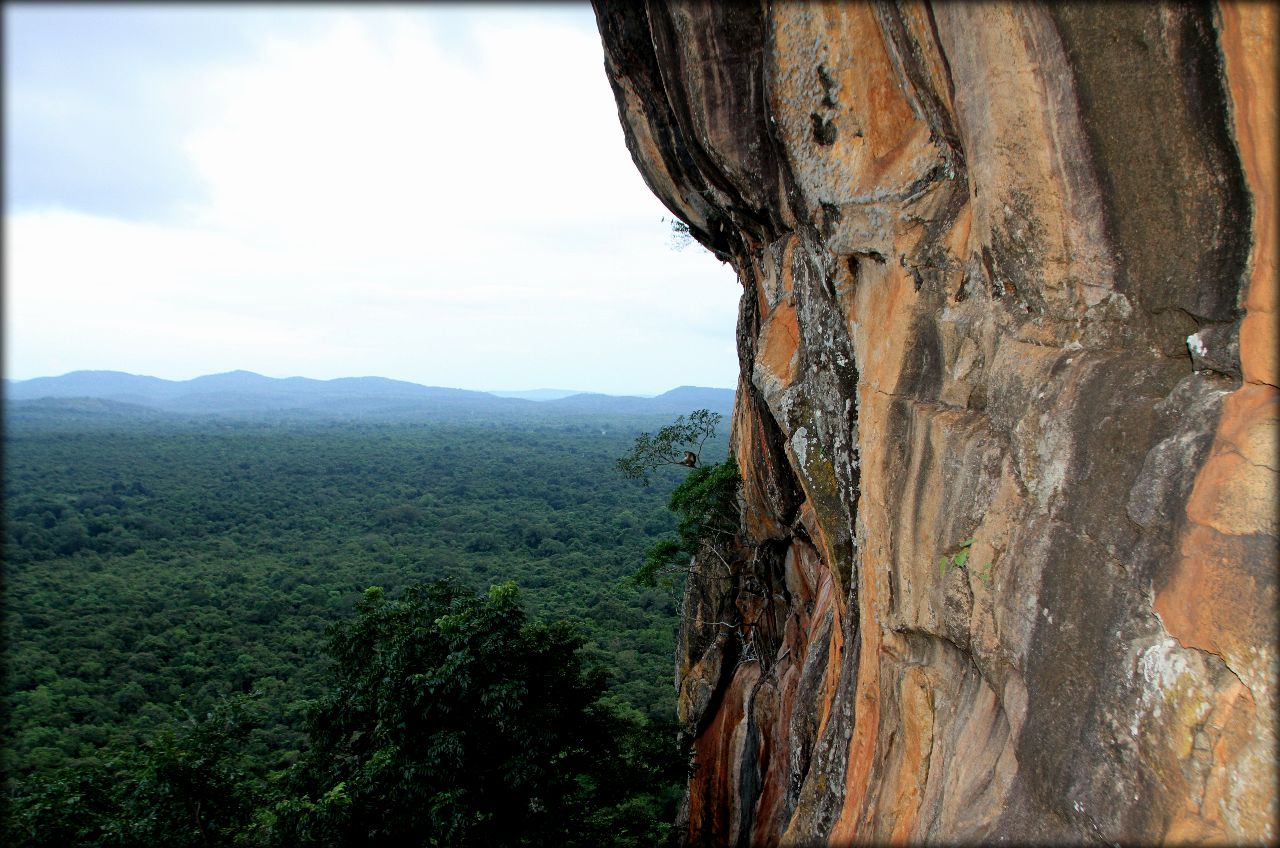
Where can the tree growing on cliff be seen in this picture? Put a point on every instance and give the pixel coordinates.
(681, 236)
(706, 509)
(705, 503)
(678, 443)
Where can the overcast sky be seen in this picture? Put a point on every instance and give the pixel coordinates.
(434, 194)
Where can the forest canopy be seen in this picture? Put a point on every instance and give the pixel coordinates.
(161, 575)
(449, 718)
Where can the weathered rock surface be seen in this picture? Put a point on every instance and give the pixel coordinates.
(1009, 275)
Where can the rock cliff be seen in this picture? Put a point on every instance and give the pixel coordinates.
(1007, 416)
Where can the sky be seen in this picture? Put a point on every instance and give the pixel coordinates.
(428, 193)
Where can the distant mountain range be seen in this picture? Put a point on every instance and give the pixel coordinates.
(537, 394)
(246, 394)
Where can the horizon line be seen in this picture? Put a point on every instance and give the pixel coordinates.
(570, 392)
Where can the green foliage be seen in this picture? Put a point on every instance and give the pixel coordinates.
(705, 503)
(956, 560)
(447, 718)
(70, 807)
(216, 558)
(455, 721)
(190, 784)
(960, 559)
(678, 443)
(195, 786)
(450, 719)
(209, 560)
(707, 518)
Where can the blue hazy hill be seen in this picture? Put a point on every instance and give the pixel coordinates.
(247, 394)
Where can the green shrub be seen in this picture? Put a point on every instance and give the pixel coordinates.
(706, 508)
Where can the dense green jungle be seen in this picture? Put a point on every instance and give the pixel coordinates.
(177, 592)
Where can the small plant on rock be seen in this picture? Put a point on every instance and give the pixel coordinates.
(960, 559)
(957, 560)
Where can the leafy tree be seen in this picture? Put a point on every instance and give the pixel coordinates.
(706, 508)
(190, 785)
(678, 443)
(195, 784)
(705, 503)
(455, 721)
(60, 808)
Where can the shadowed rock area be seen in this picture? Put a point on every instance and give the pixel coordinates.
(1007, 415)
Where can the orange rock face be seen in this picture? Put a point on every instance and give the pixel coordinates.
(1007, 417)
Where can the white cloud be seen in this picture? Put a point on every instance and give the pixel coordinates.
(376, 136)
(382, 203)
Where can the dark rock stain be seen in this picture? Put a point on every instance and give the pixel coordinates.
(824, 130)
